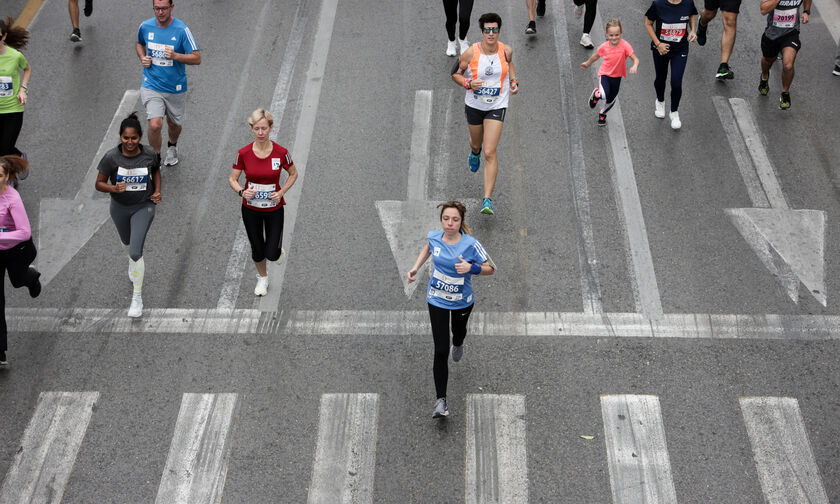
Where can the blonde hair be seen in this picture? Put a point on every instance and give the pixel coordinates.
(260, 114)
(462, 209)
(614, 22)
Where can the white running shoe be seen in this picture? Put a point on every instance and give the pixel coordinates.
(578, 10)
(675, 121)
(464, 45)
(660, 109)
(262, 286)
(586, 41)
(136, 308)
(171, 156)
(282, 257)
(451, 48)
(440, 409)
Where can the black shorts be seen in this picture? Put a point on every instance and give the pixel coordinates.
(476, 117)
(771, 48)
(724, 5)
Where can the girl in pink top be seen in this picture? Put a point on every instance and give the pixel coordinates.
(16, 248)
(615, 52)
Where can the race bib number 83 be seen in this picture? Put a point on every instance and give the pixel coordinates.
(6, 87)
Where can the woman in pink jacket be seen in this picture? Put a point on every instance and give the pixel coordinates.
(16, 248)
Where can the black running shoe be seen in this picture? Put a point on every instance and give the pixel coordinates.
(701, 33)
(3, 361)
(724, 72)
(602, 119)
(76, 36)
(784, 101)
(35, 287)
(88, 8)
(763, 86)
(593, 100)
(531, 28)
(541, 8)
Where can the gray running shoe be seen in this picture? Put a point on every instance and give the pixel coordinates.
(440, 409)
(171, 156)
(457, 353)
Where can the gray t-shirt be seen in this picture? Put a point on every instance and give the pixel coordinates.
(135, 171)
(783, 20)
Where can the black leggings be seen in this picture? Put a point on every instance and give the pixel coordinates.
(16, 261)
(265, 232)
(589, 13)
(450, 7)
(677, 60)
(440, 318)
(609, 87)
(10, 125)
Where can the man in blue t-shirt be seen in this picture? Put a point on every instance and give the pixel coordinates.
(164, 45)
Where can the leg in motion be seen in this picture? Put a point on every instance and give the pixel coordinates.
(492, 134)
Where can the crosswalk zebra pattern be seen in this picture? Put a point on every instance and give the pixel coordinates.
(344, 462)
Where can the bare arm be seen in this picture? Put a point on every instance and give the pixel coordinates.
(102, 184)
(193, 58)
(156, 178)
(767, 6)
(514, 83)
(805, 15)
(24, 83)
(650, 26)
(592, 59)
(146, 61)
(422, 258)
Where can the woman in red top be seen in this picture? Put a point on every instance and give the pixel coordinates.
(263, 161)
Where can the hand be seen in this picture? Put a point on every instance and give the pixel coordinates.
(276, 196)
(584, 65)
(805, 18)
(410, 276)
(514, 87)
(476, 84)
(119, 187)
(169, 52)
(692, 36)
(462, 267)
(155, 197)
(634, 68)
(146, 61)
(663, 48)
(249, 193)
(22, 96)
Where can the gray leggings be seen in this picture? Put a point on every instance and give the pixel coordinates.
(133, 222)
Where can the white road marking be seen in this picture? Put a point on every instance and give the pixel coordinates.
(303, 140)
(496, 460)
(785, 463)
(239, 257)
(640, 471)
(790, 243)
(45, 459)
(406, 223)
(345, 452)
(64, 225)
(196, 467)
(416, 323)
(442, 156)
(587, 254)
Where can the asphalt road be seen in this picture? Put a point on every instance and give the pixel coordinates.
(339, 257)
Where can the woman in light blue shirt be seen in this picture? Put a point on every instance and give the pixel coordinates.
(456, 256)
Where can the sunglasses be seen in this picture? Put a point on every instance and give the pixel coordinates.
(494, 29)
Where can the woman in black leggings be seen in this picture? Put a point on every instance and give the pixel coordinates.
(263, 162)
(590, 6)
(451, 7)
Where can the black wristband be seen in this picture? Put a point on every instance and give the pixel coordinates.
(240, 191)
(806, 11)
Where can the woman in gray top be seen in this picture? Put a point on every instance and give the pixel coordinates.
(130, 172)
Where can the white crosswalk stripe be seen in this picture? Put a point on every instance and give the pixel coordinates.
(640, 470)
(346, 449)
(48, 450)
(196, 467)
(783, 457)
(496, 459)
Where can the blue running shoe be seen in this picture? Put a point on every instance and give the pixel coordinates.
(474, 162)
(487, 207)
(701, 33)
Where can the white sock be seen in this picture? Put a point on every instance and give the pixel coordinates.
(136, 272)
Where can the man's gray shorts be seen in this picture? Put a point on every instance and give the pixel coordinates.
(158, 104)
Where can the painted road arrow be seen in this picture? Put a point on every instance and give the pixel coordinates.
(790, 243)
(64, 226)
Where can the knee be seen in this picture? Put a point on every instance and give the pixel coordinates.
(489, 153)
(155, 124)
(729, 22)
(787, 66)
(441, 356)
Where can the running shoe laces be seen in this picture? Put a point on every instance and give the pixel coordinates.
(586, 41)
(474, 162)
(487, 207)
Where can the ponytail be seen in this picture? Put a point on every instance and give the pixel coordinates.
(13, 165)
(16, 36)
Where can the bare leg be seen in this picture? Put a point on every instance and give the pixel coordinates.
(174, 131)
(766, 63)
(707, 15)
(155, 128)
(261, 268)
(492, 134)
(73, 7)
(788, 57)
(532, 9)
(476, 137)
(727, 41)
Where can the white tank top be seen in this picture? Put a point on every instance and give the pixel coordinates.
(493, 70)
